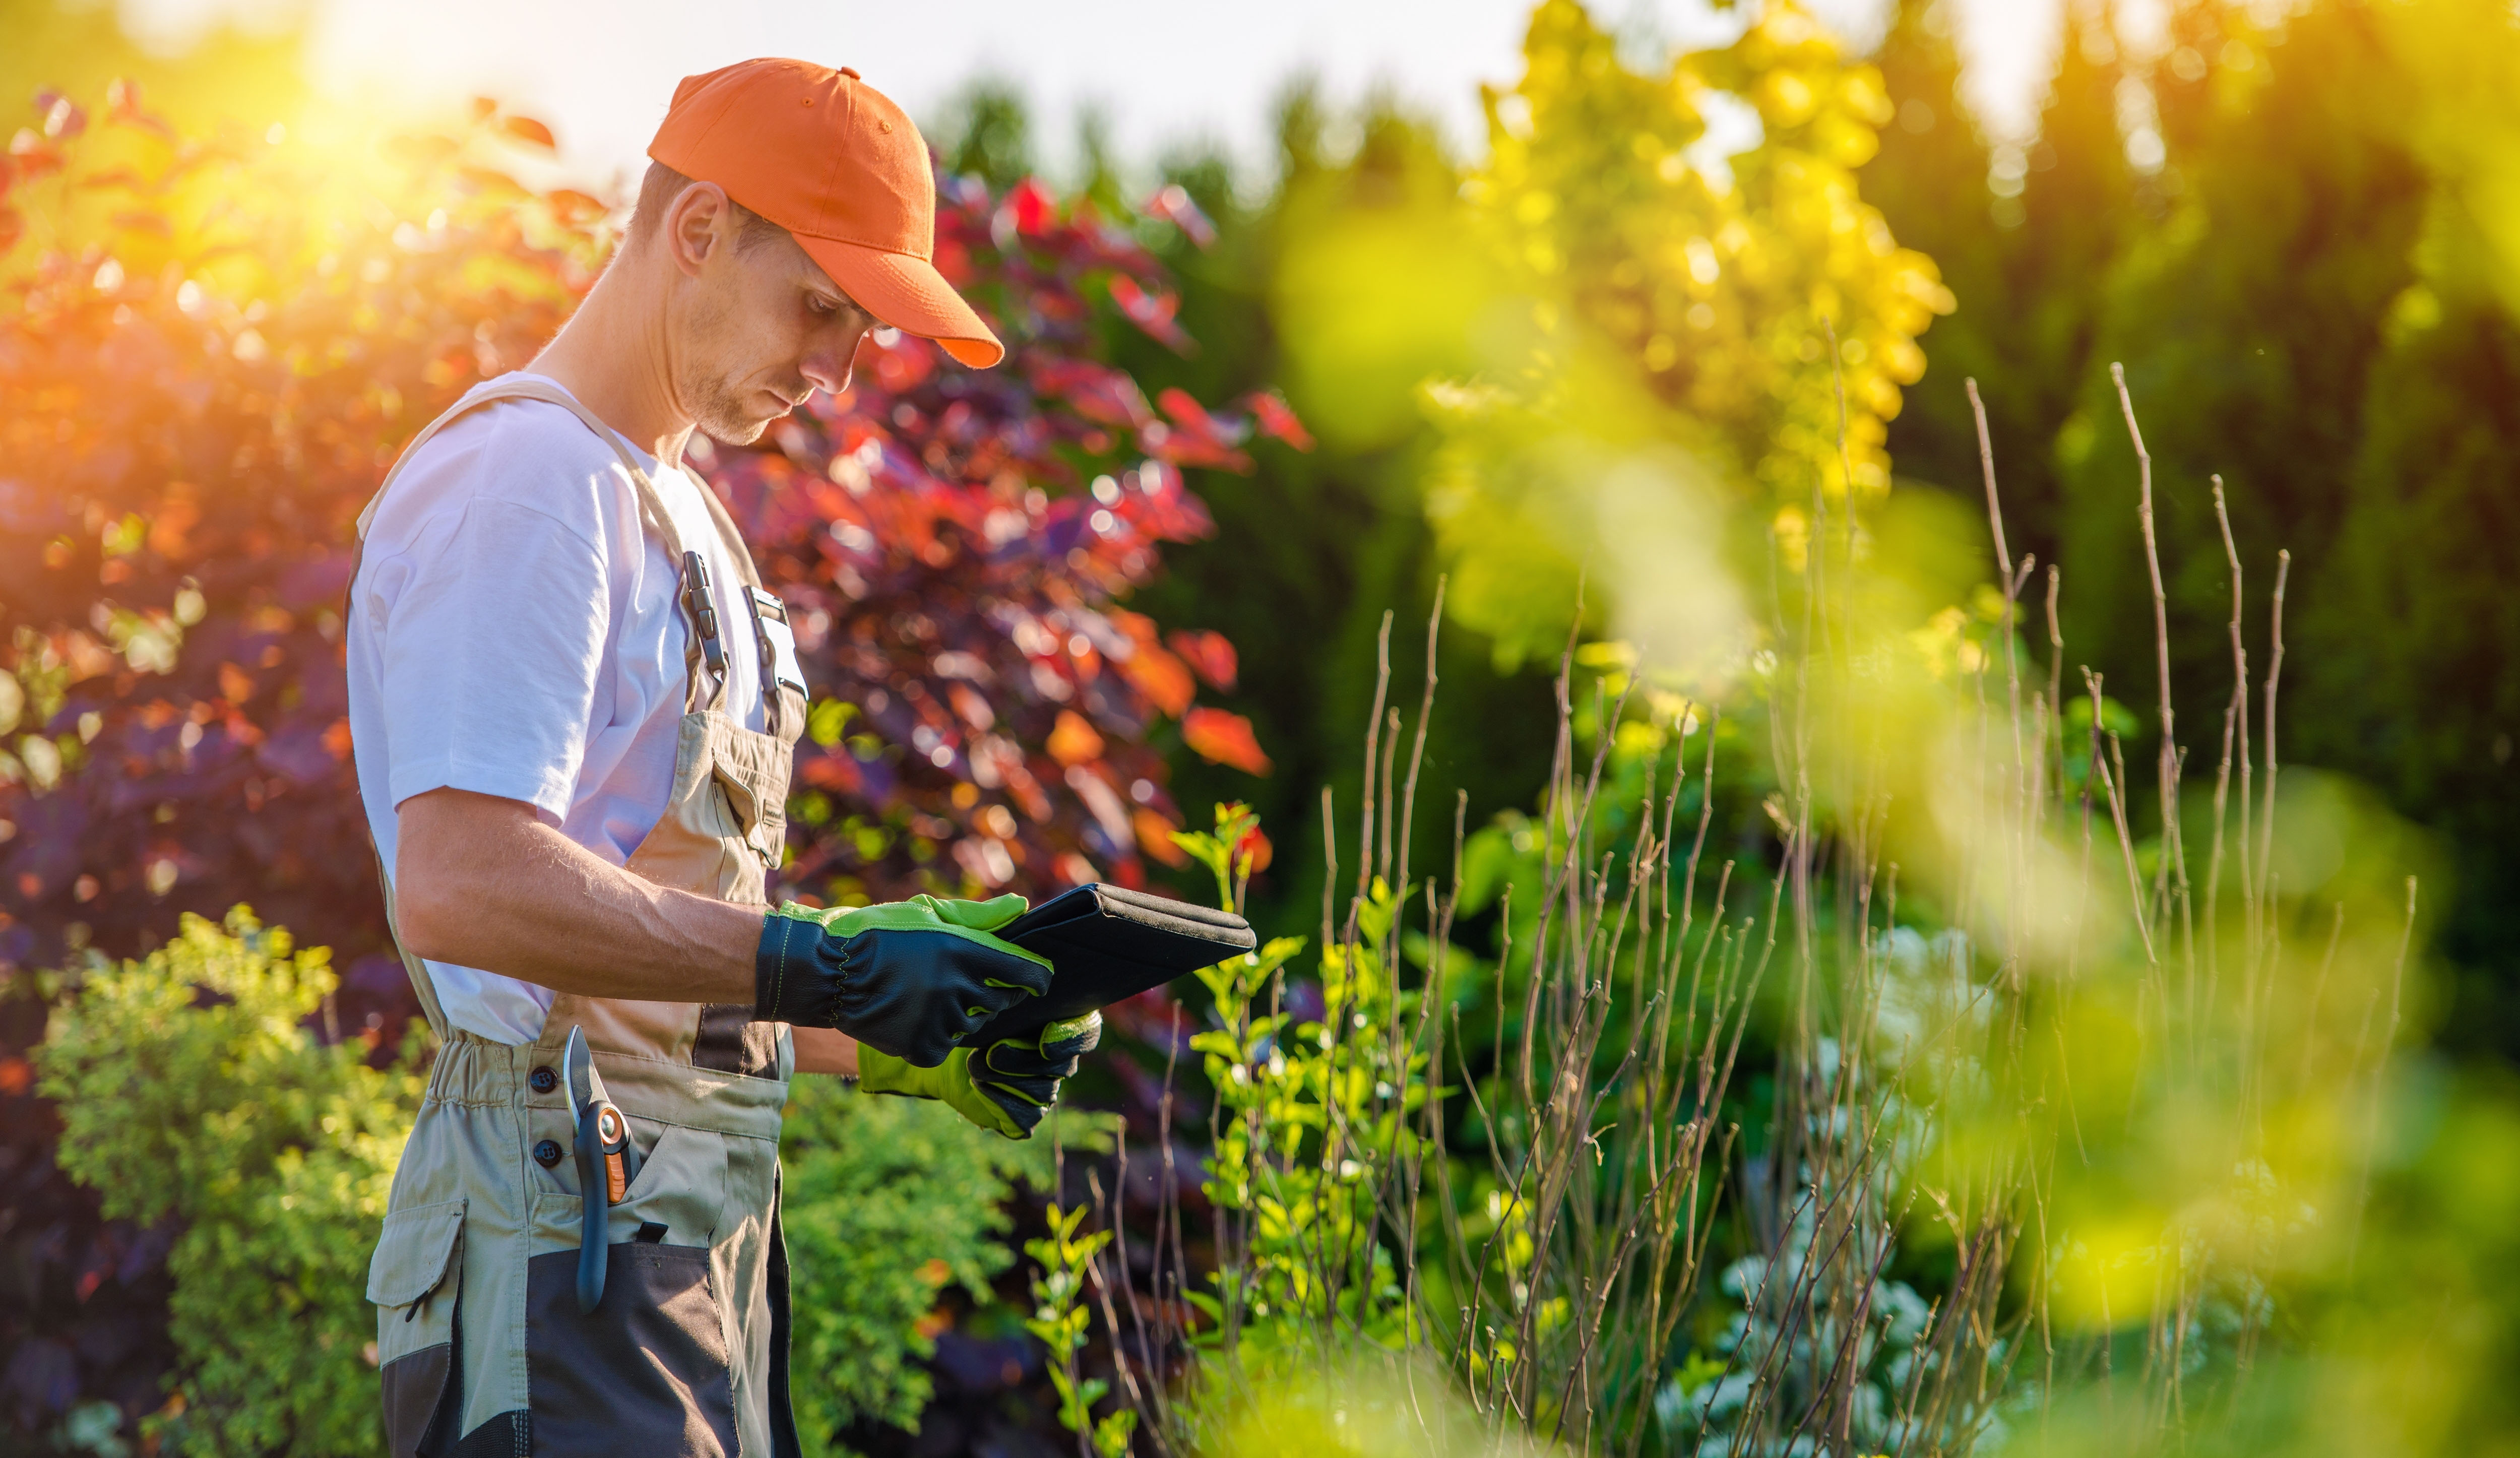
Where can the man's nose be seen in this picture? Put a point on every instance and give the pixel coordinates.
(827, 366)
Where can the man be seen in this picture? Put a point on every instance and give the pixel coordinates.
(574, 707)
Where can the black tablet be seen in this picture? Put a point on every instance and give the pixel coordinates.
(1108, 945)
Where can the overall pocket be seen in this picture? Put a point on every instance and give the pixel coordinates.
(415, 1281)
(679, 1193)
(646, 1371)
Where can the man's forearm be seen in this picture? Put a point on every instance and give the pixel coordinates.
(482, 882)
(825, 1050)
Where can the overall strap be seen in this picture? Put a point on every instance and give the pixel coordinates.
(735, 550)
(652, 510)
(782, 693)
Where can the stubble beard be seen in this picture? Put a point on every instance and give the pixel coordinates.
(717, 406)
(720, 412)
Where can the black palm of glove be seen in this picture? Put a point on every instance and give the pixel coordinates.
(1007, 1086)
(911, 978)
(1023, 1078)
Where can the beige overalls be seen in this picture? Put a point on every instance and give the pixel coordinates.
(478, 1334)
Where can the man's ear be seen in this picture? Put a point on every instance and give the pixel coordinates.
(696, 225)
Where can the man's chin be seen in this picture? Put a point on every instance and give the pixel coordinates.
(733, 430)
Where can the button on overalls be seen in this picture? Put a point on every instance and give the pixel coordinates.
(483, 1346)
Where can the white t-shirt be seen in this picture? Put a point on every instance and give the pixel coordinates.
(514, 633)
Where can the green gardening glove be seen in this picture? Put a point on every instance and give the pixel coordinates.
(911, 978)
(1007, 1086)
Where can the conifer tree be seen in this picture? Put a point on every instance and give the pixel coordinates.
(2248, 320)
(2024, 234)
(1930, 182)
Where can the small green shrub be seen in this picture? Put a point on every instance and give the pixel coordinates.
(192, 1091)
(887, 1201)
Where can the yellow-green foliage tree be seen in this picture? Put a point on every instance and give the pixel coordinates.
(1655, 302)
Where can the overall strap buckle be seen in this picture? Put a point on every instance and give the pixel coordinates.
(702, 607)
(780, 670)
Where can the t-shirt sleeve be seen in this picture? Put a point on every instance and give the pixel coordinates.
(490, 657)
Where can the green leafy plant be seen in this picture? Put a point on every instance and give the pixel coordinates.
(887, 1204)
(1067, 1261)
(1303, 1115)
(192, 1091)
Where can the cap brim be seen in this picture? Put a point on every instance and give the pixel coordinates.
(908, 294)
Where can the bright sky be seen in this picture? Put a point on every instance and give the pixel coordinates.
(1163, 71)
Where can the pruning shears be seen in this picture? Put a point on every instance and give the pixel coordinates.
(604, 1158)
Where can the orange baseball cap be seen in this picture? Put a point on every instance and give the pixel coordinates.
(837, 163)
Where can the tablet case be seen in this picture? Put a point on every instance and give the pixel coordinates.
(1108, 944)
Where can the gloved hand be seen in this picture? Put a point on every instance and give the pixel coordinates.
(1007, 1086)
(908, 978)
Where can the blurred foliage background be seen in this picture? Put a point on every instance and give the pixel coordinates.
(1588, 356)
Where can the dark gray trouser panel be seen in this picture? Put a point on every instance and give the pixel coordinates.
(729, 1041)
(415, 1386)
(645, 1373)
(783, 1414)
(507, 1435)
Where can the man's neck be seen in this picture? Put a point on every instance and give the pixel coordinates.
(613, 355)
